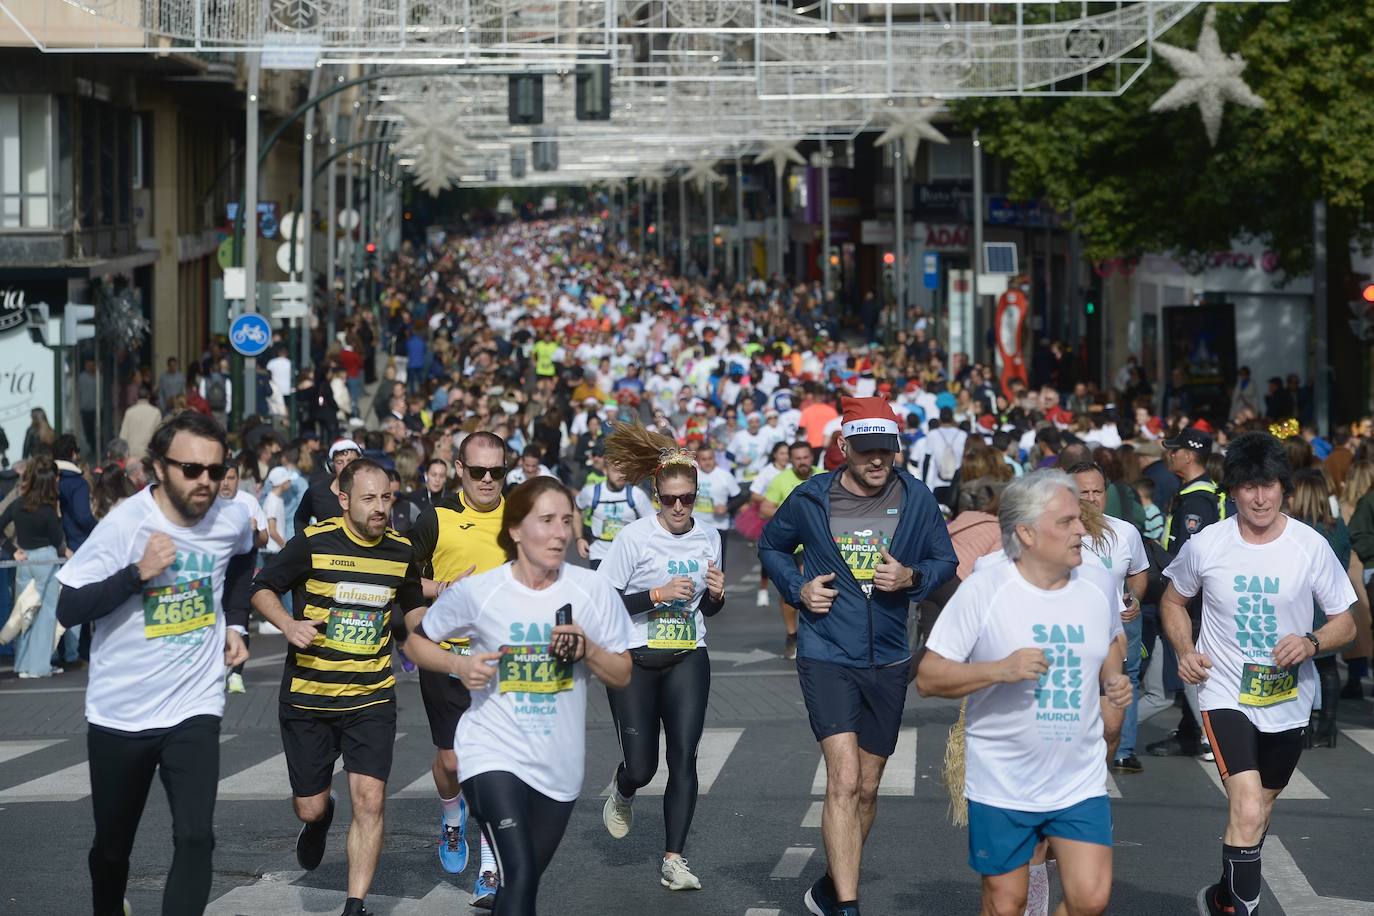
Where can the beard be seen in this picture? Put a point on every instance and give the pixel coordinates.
(182, 499)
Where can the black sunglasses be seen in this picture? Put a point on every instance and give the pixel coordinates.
(192, 471)
(682, 499)
(479, 473)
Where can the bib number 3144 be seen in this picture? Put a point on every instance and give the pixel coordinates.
(170, 610)
(1267, 685)
(531, 669)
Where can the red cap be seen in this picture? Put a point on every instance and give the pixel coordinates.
(870, 425)
(1203, 425)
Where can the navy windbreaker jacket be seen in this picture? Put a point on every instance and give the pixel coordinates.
(859, 630)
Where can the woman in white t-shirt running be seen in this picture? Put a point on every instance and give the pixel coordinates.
(668, 569)
(524, 740)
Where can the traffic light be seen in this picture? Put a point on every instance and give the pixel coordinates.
(78, 324)
(593, 101)
(651, 229)
(834, 256)
(526, 99)
(889, 271)
(38, 323)
(1367, 293)
(1090, 307)
(371, 247)
(889, 259)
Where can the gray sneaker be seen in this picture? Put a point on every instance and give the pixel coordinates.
(676, 876)
(618, 816)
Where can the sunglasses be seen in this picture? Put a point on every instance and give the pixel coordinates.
(479, 473)
(192, 471)
(682, 499)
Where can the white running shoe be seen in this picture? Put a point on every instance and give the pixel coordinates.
(676, 876)
(618, 816)
(236, 684)
(763, 598)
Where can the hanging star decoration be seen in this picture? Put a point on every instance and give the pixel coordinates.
(649, 181)
(701, 174)
(912, 125)
(432, 139)
(780, 153)
(1209, 78)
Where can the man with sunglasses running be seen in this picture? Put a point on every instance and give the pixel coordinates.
(452, 539)
(149, 582)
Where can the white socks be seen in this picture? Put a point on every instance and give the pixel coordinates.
(488, 858)
(452, 810)
(1038, 891)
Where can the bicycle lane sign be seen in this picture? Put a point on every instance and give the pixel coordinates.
(250, 334)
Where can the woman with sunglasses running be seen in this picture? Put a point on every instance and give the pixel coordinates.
(668, 569)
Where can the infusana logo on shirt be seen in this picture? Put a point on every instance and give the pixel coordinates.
(1059, 692)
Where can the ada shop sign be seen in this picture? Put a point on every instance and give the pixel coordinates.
(946, 237)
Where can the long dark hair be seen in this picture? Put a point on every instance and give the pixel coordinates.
(39, 483)
(520, 503)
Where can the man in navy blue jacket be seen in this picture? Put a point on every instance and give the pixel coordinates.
(874, 542)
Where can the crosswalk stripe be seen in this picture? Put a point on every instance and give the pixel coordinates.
(899, 776)
(818, 781)
(9, 750)
(715, 748)
(423, 787)
(71, 783)
(266, 781)
(1113, 790)
(758, 911)
(1299, 786)
(1364, 737)
(813, 815)
(793, 862)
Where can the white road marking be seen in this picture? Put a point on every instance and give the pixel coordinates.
(71, 783)
(756, 911)
(9, 750)
(793, 862)
(1364, 737)
(899, 776)
(715, 748)
(818, 781)
(1113, 790)
(813, 815)
(1299, 788)
(277, 895)
(1293, 891)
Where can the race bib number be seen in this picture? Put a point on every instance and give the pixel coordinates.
(531, 669)
(610, 528)
(704, 504)
(357, 631)
(862, 552)
(1267, 685)
(170, 610)
(672, 629)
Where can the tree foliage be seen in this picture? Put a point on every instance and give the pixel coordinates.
(1134, 182)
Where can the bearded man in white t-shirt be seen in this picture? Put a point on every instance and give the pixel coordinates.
(1260, 574)
(1030, 643)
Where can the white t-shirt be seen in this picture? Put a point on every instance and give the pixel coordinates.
(1122, 556)
(516, 475)
(750, 451)
(761, 482)
(154, 665)
(537, 735)
(714, 489)
(646, 555)
(612, 513)
(273, 507)
(1032, 746)
(255, 509)
(1093, 572)
(1253, 595)
(279, 367)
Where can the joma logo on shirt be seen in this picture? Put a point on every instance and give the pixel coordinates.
(341, 563)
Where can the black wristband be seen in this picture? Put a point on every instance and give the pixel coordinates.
(1316, 643)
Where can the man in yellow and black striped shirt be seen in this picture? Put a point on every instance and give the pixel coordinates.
(338, 694)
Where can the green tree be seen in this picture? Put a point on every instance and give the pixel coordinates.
(1134, 182)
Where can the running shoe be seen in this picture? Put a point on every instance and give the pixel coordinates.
(484, 891)
(618, 816)
(310, 841)
(820, 897)
(128, 910)
(453, 841)
(789, 647)
(676, 876)
(354, 907)
(1205, 752)
(1128, 764)
(1172, 747)
(236, 684)
(763, 598)
(1207, 903)
(851, 910)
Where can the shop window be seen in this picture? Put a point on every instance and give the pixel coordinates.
(25, 161)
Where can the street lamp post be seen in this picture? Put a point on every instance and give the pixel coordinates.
(899, 235)
(246, 402)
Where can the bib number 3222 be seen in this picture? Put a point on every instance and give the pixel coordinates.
(1267, 685)
(170, 610)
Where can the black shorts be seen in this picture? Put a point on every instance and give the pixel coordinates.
(866, 701)
(446, 699)
(1239, 746)
(313, 741)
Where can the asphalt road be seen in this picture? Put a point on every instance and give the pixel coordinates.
(755, 841)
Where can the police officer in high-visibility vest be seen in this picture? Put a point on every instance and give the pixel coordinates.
(1199, 503)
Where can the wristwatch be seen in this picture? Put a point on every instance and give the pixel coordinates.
(1316, 643)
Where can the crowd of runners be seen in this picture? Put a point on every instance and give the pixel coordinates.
(565, 443)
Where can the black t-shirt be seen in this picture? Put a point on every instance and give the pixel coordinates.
(862, 526)
(33, 528)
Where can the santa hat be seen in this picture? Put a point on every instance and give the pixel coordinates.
(870, 425)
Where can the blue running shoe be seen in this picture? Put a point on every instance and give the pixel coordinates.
(484, 892)
(453, 844)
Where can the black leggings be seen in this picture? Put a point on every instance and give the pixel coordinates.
(531, 826)
(122, 766)
(675, 695)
